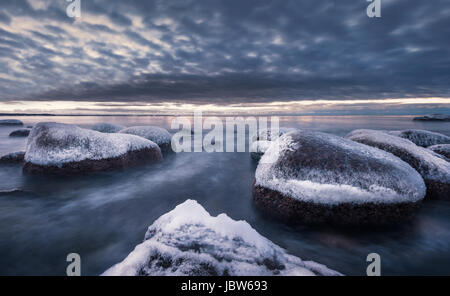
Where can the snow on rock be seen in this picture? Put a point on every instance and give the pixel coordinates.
(266, 134)
(189, 242)
(15, 157)
(434, 117)
(432, 167)
(107, 127)
(313, 177)
(258, 148)
(20, 133)
(10, 122)
(153, 133)
(422, 138)
(62, 148)
(442, 149)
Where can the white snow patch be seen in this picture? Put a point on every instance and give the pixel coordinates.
(421, 137)
(153, 133)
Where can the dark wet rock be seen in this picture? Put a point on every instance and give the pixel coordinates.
(107, 127)
(153, 133)
(422, 138)
(20, 133)
(10, 122)
(63, 149)
(15, 157)
(431, 166)
(442, 149)
(433, 117)
(310, 177)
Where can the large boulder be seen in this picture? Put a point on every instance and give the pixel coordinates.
(10, 122)
(24, 132)
(267, 134)
(258, 148)
(433, 117)
(422, 138)
(63, 149)
(311, 177)
(108, 128)
(153, 133)
(442, 149)
(15, 157)
(189, 242)
(433, 168)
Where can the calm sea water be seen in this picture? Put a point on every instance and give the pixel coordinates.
(104, 216)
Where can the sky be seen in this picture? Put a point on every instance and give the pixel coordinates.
(229, 56)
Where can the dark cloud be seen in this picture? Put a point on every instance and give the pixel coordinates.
(224, 51)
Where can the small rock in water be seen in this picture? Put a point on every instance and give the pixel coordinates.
(422, 138)
(20, 133)
(10, 122)
(442, 149)
(189, 242)
(64, 149)
(433, 117)
(311, 177)
(15, 157)
(431, 166)
(107, 127)
(155, 134)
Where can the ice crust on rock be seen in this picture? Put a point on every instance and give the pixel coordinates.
(421, 137)
(325, 169)
(153, 133)
(258, 148)
(107, 127)
(266, 134)
(53, 144)
(442, 149)
(189, 241)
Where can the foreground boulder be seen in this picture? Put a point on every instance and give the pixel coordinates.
(15, 157)
(443, 149)
(258, 148)
(10, 122)
(312, 177)
(422, 138)
(63, 149)
(20, 133)
(267, 134)
(433, 117)
(153, 133)
(189, 242)
(108, 128)
(432, 167)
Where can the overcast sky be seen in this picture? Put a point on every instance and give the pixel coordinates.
(155, 55)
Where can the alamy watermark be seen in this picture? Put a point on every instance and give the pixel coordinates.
(374, 8)
(73, 10)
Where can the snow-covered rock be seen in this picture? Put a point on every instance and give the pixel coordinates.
(189, 242)
(15, 157)
(442, 149)
(10, 122)
(258, 148)
(67, 149)
(314, 177)
(422, 138)
(153, 133)
(107, 127)
(266, 134)
(20, 133)
(433, 117)
(432, 167)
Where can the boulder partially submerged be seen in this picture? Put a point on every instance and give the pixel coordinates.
(258, 148)
(62, 149)
(108, 128)
(433, 117)
(443, 149)
(153, 133)
(10, 122)
(422, 138)
(24, 132)
(189, 242)
(432, 167)
(15, 157)
(312, 177)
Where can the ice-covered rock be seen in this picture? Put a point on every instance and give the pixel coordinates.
(258, 148)
(153, 133)
(442, 149)
(67, 149)
(10, 122)
(20, 133)
(313, 177)
(432, 167)
(107, 127)
(422, 138)
(266, 134)
(189, 242)
(15, 157)
(433, 117)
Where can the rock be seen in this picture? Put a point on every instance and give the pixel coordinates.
(442, 149)
(153, 133)
(189, 242)
(431, 166)
(107, 127)
(63, 149)
(20, 133)
(422, 138)
(433, 117)
(258, 148)
(311, 177)
(15, 157)
(10, 122)
(266, 134)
